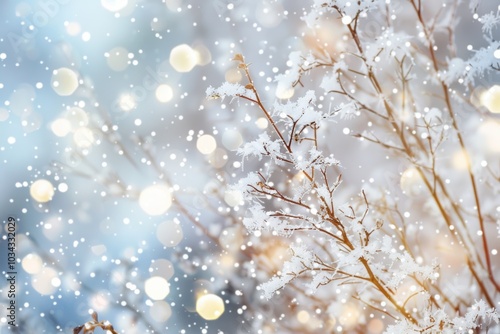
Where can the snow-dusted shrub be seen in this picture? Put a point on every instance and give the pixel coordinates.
(386, 258)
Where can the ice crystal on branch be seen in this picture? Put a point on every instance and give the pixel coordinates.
(292, 75)
(490, 21)
(263, 146)
(341, 7)
(478, 311)
(228, 89)
(260, 220)
(302, 259)
(482, 62)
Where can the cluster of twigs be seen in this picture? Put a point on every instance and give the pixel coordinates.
(418, 140)
(330, 226)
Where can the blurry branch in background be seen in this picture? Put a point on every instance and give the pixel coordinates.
(229, 245)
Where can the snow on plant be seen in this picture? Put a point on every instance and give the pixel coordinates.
(413, 98)
(91, 325)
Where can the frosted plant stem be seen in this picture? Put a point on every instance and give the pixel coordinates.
(345, 239)
(462, 146)
(266, 113)
(411, 156)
